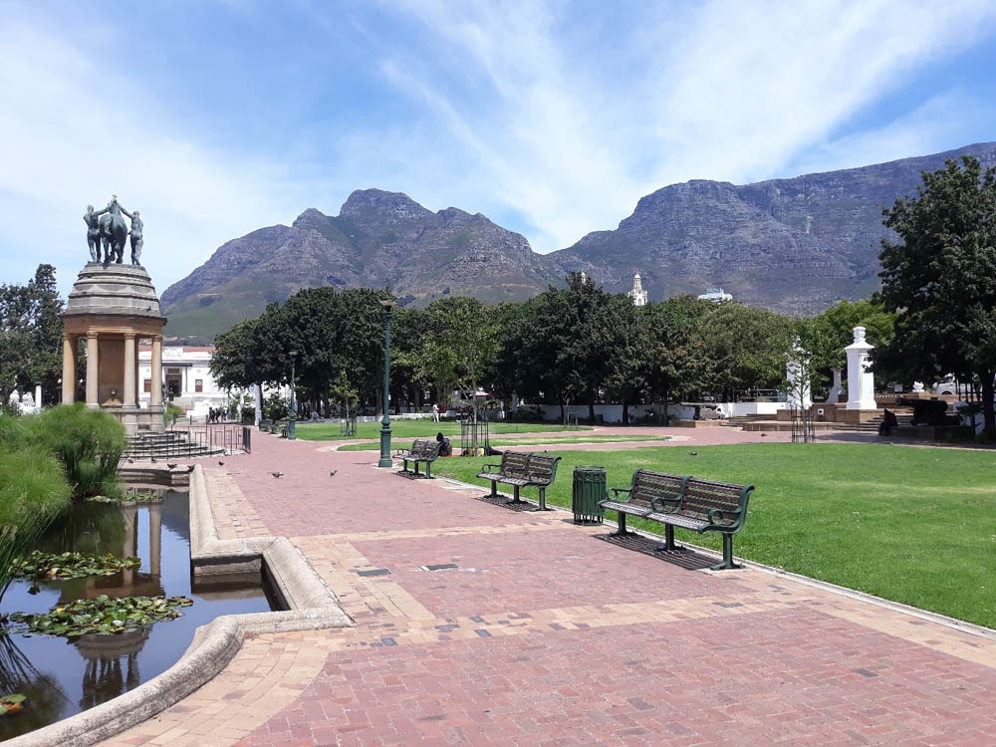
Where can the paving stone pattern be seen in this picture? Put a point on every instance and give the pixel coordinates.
(480, 625)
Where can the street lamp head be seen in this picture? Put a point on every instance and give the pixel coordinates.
(388, 303)
(293, 354)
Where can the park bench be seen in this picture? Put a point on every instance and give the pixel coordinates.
(522, 470)
(685, 502)
(423, 451)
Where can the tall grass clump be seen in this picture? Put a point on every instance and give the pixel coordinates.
(88, 442)
(33, 492)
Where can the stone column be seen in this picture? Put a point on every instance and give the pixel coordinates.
(128, 396)
(91, 369)
(155, 539)
(860, 381)
(156, 398)
(68, 369)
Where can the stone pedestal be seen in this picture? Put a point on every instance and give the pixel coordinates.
(112, 308)
(860, 381)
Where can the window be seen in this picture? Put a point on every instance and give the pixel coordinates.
(147, 386)
(198, 385)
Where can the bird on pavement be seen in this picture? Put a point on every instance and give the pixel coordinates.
(130, 460)
(190, 467)
(277, 474)
(221, 463)
(332, 473)
(154, 460)
(171, 465)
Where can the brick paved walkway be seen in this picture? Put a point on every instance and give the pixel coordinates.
(480, 625)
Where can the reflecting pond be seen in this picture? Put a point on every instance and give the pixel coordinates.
(62, 677)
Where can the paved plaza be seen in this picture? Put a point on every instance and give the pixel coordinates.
(476, 624)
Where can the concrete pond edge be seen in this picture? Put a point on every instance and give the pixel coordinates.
(310, 604)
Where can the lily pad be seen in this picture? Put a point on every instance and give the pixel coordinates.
(64, 565)
(103, 615)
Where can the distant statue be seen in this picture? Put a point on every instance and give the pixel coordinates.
(92, 221)
(136, 235)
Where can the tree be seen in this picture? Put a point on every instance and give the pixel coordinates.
(744, 348)
(672, 355)
(31, 336)
(940, 277)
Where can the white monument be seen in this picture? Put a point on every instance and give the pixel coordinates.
(800, 395)
(638, 295)
(837, 387)
(860, 381)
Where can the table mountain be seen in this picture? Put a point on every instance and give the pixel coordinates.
(792, 245)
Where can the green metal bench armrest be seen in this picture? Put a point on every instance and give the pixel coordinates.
(723, 514)
(616, 491)
(489, 467)
(668, 505)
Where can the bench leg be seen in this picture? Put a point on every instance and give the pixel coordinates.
(542, 501)
(428, 470)
(668, 545)
(727, 563)
(515, 495)
(494, 490)
(621, 531)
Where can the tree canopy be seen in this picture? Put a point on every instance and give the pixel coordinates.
(31, 336)
(940, 278)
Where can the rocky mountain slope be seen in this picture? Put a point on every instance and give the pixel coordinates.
(379, 239)
(792, 245)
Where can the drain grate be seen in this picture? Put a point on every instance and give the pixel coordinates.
(374, 572)
(441, 567)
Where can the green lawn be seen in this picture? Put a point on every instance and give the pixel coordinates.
(915, 525)
(410, 429)
(515, 442)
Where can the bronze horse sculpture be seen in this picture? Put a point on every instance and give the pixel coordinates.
(113, 232)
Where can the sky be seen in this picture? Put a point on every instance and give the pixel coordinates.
(551, 117)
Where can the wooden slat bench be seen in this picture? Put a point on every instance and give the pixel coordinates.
(522, 471)
(685, 502)
(423, 451)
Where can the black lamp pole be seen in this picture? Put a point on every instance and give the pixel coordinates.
(292, 423)
(385, 426)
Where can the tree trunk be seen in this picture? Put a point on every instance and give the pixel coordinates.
(591, 412)
(625, 413)
(667, 398)
(989, 417)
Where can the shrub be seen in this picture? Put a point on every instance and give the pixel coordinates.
(172, 413)
(88, 442)
(33, 491)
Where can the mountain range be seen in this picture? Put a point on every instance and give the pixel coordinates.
(795, 246)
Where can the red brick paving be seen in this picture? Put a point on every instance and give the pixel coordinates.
(544, 635)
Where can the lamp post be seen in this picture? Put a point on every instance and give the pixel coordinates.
(291, 431)
(385, 426)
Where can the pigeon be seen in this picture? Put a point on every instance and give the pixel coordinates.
(277, 474)
(154, 460)
(221, 464)
(332, 473)
(190, 467)
(171, 466)
(764, 435)
(693, 453)
(130, 460)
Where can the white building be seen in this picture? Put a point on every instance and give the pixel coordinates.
(638, 295)
(715, 294)
(187, 380)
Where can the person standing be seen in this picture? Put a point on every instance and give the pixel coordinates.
(435, 412)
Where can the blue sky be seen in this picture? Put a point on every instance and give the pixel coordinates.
(217, 117)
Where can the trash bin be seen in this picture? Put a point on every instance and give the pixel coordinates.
(589, 489)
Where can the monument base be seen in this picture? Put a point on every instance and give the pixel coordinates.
(138, 420)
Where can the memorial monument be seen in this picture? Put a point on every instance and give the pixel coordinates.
(861, 403)
(113, 307)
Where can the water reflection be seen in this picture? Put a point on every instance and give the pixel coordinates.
(102, 667)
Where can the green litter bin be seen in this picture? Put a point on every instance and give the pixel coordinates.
(589, 489)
